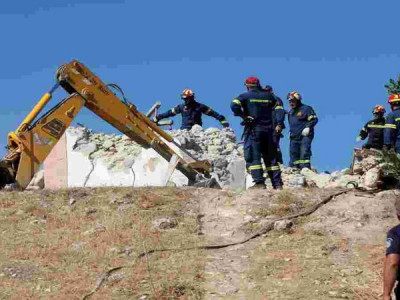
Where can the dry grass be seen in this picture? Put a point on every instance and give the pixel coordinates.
(54, 250)
(284, 203)
(311, 265)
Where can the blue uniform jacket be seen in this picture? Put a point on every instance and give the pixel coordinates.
(392, 132)
(374, 131)
(300, 118)
(191, 114)
(279, 113)
(258, 104)
(393, 243)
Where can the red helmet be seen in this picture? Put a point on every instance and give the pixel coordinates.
(187, 93)
(379, 109)
(293, 96)
(394, 98)
(252, 81)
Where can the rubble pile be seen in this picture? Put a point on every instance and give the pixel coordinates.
(98, 159)
(311, 178)
(209, 143)
(375, 169)
(218, 146)
(119, 151)
(367, 172)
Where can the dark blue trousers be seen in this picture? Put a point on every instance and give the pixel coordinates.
(277, 139)
(260, 144)
(300, 152)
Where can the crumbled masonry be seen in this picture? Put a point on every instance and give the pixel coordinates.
(98, 159)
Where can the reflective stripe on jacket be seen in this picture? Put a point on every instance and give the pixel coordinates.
(258, 104)
(300, 118)
(192, 114)
(392, 132)
(374, 130)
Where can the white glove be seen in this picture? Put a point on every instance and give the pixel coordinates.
(358, 139)
(305, 132)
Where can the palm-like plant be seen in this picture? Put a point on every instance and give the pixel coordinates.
(390, 163)
(393, 86)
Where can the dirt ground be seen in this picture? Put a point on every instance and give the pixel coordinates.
(89, 244)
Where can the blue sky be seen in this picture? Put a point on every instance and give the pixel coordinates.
(337, 54)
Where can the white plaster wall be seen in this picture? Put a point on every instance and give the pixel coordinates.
(78, 163)
(150, 169)
(237, 169)
(102, 176)
(147, 169)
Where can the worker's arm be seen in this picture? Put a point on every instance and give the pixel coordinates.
(279, 113)
(364, 132)
(390, 131)
(391, 263)
(170, 113)
(212, 113)
(390, 269)
(237, 107)
(312, 118)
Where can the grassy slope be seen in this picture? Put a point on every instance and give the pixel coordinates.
(54, 250)
(312, 264)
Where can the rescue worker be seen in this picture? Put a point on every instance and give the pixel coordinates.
(392, 260)
(255, 107)
(374, 129)
(392, 126)
(191, 112)
(302, 120)
(278, 116)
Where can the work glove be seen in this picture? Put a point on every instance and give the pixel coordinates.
(278, 129)
(155, 120)
(359, 139)
(225, 124)
(305, 132)
(247, 121)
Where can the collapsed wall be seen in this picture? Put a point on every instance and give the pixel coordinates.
(98, 159)
(87, 159)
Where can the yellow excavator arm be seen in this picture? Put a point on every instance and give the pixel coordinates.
(32, 142)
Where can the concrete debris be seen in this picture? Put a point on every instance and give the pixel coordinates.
(369, 165)
(372, 177)
(315, 179)
(367, 173)
(32, 188)
(283, 225)
(164, 223)
(98, 159)
(37, 181)
(220, 147)
(71, 201)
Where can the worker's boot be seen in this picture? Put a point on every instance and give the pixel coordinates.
(279, 187)
(258, 186)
